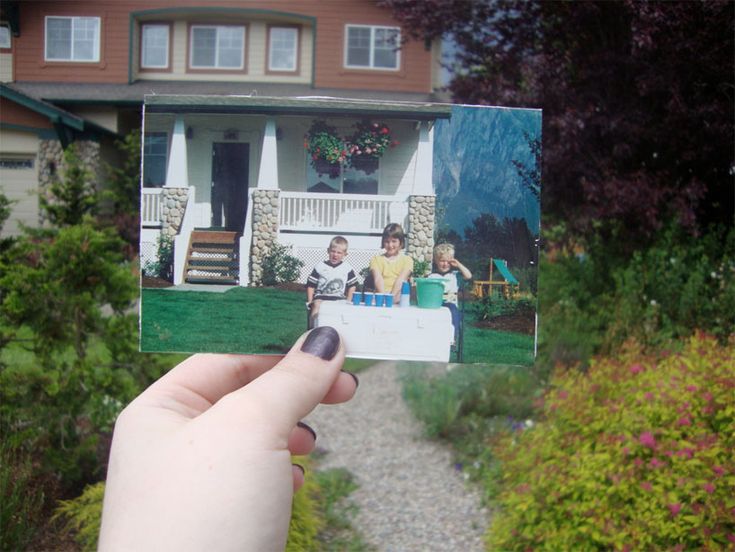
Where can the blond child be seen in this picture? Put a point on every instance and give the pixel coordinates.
(330, 280)
(393, 267)
(447, 268)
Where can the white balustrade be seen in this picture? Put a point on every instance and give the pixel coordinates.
(335, 212)
(150, 207)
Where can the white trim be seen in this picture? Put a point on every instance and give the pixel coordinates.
(371, 63)
(74, 21)
(5, 37)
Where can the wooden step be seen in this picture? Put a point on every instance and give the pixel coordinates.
(213, 237)
(213, 256)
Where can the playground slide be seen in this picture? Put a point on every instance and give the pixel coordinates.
(503, 268)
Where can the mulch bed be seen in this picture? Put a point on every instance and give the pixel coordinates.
(522, 321)
(151, 282)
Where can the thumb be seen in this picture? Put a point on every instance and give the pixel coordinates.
(280, 397)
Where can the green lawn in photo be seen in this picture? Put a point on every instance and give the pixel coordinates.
(240, 320)
(482, 345)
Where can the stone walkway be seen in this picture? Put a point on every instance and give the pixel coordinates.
(410, 497)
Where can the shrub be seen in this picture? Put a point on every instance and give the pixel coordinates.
(635, 454)
(163, 267)
(307, 519)
(82, 515)
(279, 266)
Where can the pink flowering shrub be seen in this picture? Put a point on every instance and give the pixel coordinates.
(635, 454)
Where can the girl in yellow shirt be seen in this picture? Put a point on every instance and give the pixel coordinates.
(393, 267)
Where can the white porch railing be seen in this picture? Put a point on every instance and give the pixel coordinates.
(150, 207)
(339, 212)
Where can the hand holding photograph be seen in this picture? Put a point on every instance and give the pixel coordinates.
(411, 228)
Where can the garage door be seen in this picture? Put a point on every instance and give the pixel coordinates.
(19, 183)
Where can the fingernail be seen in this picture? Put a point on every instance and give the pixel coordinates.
(354, 377)
(303, 471)
(307, 428)
(322, 342)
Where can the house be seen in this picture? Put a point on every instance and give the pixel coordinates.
(78, 71)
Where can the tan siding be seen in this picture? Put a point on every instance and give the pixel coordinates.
(415, 74)
(6, 67)
(19, 185)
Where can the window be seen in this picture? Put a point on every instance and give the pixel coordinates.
(347, 178)
(154, 47)
(73, 38)
(217, 47)
(4, 35)
(282, 48)
(155, 150)
(372, 47)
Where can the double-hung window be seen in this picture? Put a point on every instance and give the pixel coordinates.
(217, 47)
(154, 44)
(5, 35)
(372, 47)
(72, 39)
(282, 48)
(155, 151)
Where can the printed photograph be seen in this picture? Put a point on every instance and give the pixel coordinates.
(412, 228)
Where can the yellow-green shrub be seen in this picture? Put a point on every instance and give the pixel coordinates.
(306, 515)
(635, 454)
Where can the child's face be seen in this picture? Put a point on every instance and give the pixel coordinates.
(392, 246)
(336, 252)
(444, 263)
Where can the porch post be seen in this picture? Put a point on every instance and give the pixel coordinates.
(421, 205)
(177, 174)
(263, 208)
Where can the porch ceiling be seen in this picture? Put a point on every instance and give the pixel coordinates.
(296, 106)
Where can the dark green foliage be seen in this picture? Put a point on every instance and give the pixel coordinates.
(279, 266)
(163, 267)
(72, 194)
(491, 306)
(594, 300)
(421, 268)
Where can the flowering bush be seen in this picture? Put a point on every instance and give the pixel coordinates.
(635, 454)
(324, 146)
(369, 139)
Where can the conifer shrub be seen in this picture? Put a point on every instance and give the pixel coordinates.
(634, 454)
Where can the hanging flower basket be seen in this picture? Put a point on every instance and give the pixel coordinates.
(369, 141)
(325, 147)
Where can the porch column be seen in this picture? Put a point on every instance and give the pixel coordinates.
(421, 204)
(268, 173)
(177, 174)
(422, 184)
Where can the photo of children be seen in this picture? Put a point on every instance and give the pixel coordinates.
(330, 280)
(414, 192)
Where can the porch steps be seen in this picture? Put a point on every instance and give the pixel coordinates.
(212, 258)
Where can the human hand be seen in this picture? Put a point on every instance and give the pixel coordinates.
(201, 460)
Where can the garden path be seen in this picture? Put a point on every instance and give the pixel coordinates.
(410, 496)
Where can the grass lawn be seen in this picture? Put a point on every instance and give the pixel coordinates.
(240, 320)
(269, 320)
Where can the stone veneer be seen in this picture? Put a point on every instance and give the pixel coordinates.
(265, 230)
(420, 236)
(172, 210)
(51, 164)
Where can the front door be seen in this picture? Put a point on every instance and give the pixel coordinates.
(230, 169)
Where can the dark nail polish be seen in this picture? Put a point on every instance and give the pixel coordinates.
(322, 342)
(307, 428)
(300, 467)
(354, 377)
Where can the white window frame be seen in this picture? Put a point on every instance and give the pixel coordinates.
(216, 65)
(371, 63)
(75, 21)
(151, 26)
(295, 65)
(6, 40)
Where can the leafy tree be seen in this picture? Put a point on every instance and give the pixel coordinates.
(638, 100)
(72, 193)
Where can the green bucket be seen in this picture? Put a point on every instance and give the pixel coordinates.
(429, 292)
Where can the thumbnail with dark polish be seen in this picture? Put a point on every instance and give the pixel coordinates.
(322, 342)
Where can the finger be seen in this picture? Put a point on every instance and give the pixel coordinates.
(282, 396)
(201, 380)
(343, 389)
(302, 440)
